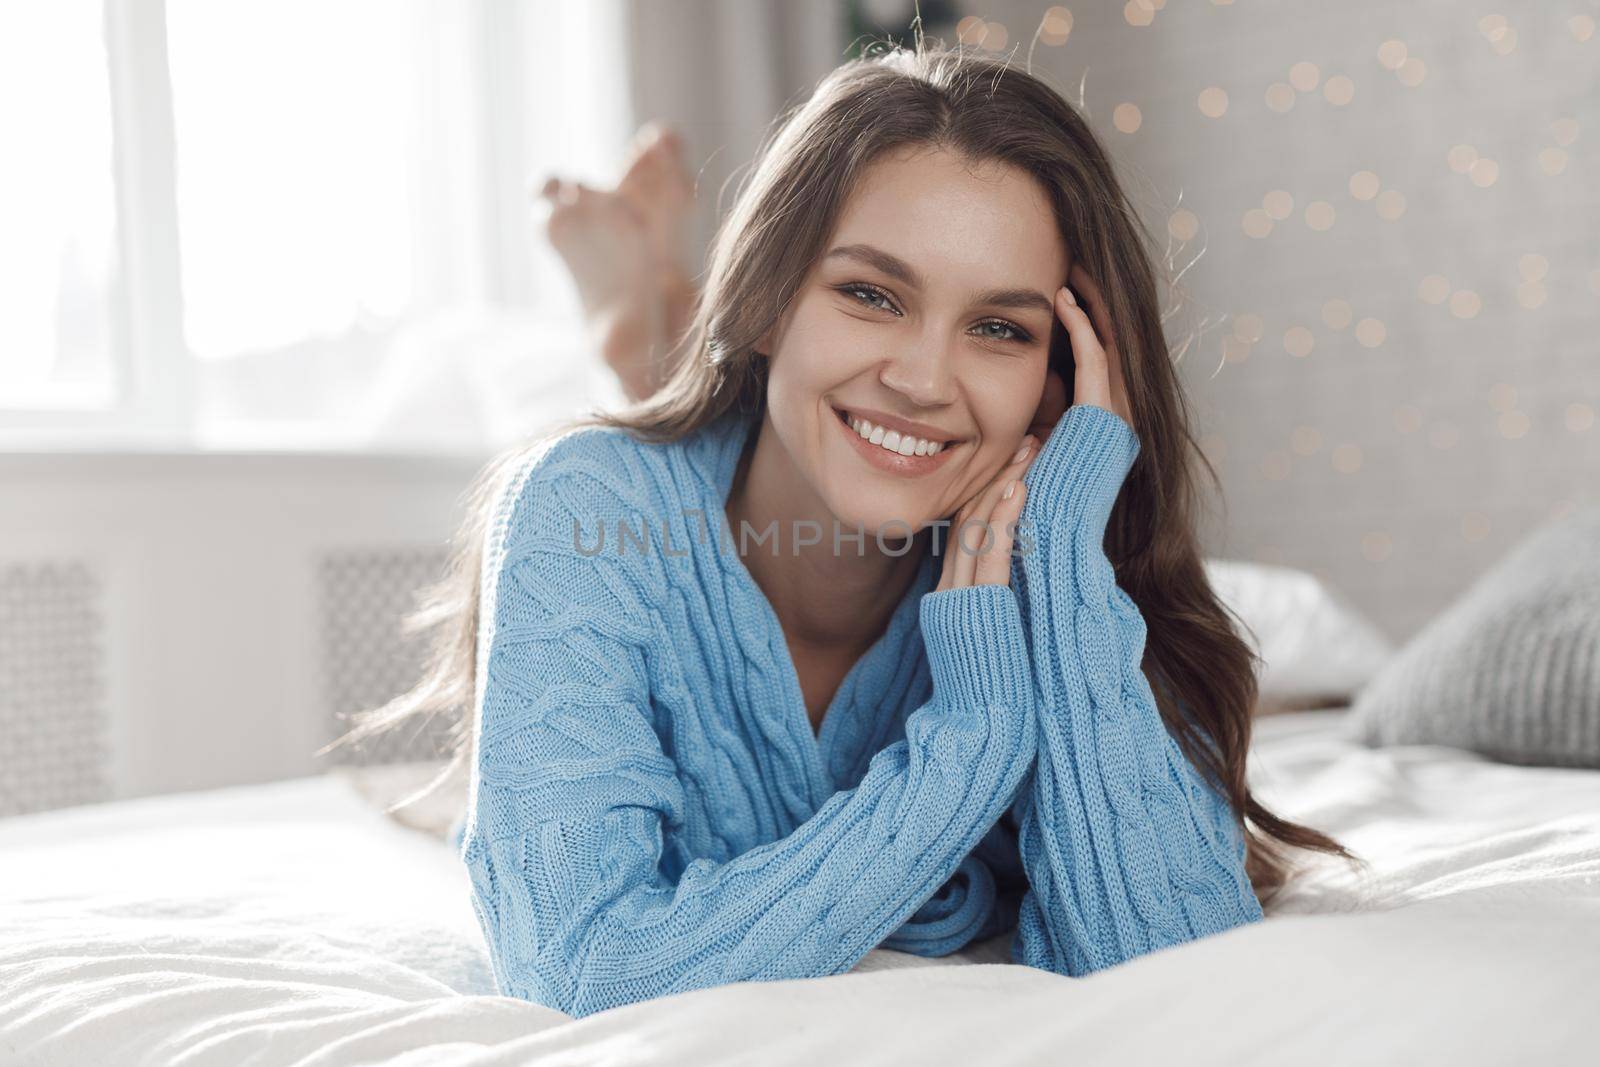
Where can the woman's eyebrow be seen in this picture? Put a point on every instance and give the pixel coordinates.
(899, 269)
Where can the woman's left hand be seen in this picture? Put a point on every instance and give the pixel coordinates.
(1097, 375)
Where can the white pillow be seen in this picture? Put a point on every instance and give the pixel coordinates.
(1318, 649)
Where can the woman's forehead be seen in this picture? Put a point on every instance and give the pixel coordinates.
(985, 225)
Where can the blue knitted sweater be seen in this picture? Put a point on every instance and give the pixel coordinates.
(652, 813)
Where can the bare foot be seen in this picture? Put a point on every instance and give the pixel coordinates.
(660, 189)
(603, 242)
(624, 249)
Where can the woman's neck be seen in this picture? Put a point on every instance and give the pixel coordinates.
(828, 602)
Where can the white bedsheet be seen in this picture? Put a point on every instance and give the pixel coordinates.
(295, 924)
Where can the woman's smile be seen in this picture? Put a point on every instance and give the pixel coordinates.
(891, 450)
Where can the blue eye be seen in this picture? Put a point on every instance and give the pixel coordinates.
(1017, 335)
(859, 288)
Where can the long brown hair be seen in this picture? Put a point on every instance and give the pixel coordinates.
(981, 107)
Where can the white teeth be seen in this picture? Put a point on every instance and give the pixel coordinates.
(893, 441)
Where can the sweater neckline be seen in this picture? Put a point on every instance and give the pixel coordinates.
(854, 719)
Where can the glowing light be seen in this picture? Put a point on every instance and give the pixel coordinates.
(1531, 294)
(1275, 465)
(1304, 76)
(1339, 90)
(1305, 440)
(1391, 204)
(1056, 27)
(1464, 304)
(1278, 204)
(1320, 215)
(1513, 424)
(1364, 185)
(1435, 289)
(1346, 458)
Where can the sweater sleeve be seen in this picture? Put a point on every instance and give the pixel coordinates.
(1127, 848)
(575, 797)
(977, 902)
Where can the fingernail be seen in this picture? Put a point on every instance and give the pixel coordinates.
(1022, 453)
(1011, 487)
(1071, 299)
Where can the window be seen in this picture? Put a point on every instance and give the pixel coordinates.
(268, 223)
(59, 257)
(301, 133)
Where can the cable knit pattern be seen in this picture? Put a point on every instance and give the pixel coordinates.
(650, 810)
(1127, 848)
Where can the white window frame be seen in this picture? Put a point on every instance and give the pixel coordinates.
(153, 394)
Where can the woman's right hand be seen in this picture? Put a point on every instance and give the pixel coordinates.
(983, 557)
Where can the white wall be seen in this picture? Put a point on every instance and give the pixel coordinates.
(212, 656)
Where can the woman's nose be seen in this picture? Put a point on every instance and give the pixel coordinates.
(922, 370)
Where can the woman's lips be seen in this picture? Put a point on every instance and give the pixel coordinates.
(893, 462)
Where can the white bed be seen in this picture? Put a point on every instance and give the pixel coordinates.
(294, 923)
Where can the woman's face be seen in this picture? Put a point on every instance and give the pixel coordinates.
(930, 305)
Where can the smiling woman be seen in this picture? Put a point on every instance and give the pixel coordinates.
(939, 245)
(702, 766)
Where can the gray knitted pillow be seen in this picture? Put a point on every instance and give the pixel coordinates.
(1511, 670)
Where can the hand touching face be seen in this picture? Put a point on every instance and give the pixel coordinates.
(1098, 376)
(983, 531)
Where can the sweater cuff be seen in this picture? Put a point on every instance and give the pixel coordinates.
(1080, 470)
(976, 651)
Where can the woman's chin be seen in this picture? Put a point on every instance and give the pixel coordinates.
(879, 521)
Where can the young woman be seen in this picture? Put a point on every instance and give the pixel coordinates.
(969, 678)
